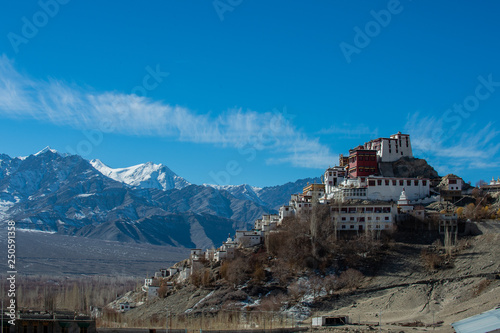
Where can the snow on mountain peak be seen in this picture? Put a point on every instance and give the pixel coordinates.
(146, 175)
(46, 149)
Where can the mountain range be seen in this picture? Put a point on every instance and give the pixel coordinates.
(66, 194)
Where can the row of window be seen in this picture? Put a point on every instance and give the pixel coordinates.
(387, 182)
(354, 192)
(360, 227)
(362, 219)
(362, 210)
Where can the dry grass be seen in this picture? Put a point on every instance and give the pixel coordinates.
(70, 293)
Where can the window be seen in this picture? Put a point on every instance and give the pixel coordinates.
(401, 153)
(379, 181)
(387, 182)
(387, 218)
(371, 183)
(352, 218)
(408, 182)
(401, 183)
(415, 182)
(343, 226)
(343, 219)
(394, 182)
(377, 218)
(369, 218)
(352, 227)
(83, 330)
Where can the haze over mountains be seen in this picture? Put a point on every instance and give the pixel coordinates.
(149, 203)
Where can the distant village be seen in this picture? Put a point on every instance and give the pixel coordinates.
(363, 195)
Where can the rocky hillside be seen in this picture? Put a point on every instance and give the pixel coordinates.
(410, 294)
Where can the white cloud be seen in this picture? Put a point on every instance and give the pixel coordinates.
(63, 104)
(465, 147)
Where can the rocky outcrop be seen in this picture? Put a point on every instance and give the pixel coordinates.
(407, 167)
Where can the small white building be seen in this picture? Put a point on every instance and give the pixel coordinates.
(267, 223)
(148, 282)
(222, 254)
(209, 254)
(184, 273)
(448, 222)
(333, 177)
(404, 204)
(285, 212)
(372, 216)
(196, 254)
(248, 238)
(451, 183)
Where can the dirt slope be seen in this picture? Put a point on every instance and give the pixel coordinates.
(405, 292)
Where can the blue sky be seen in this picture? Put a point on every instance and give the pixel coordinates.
(238, 91)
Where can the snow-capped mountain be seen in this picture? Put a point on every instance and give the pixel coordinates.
(50, 191)
(146, 175)
(61, 193)
(270, 196)
(244, 192)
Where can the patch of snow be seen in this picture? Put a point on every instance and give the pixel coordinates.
(146, 175)
(37, 231)
(85, 195)
(199, 302)
(46, 149)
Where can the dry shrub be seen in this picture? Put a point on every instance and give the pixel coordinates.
(331, 283)
(481, 287)
(350, 279)
(236, 271)
(202, 278)
(272, 302)
(431, 260)
(297, 290)
(317, 284)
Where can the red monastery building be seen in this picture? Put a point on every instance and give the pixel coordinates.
(362, 162)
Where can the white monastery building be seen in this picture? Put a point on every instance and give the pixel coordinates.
(391, 149)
